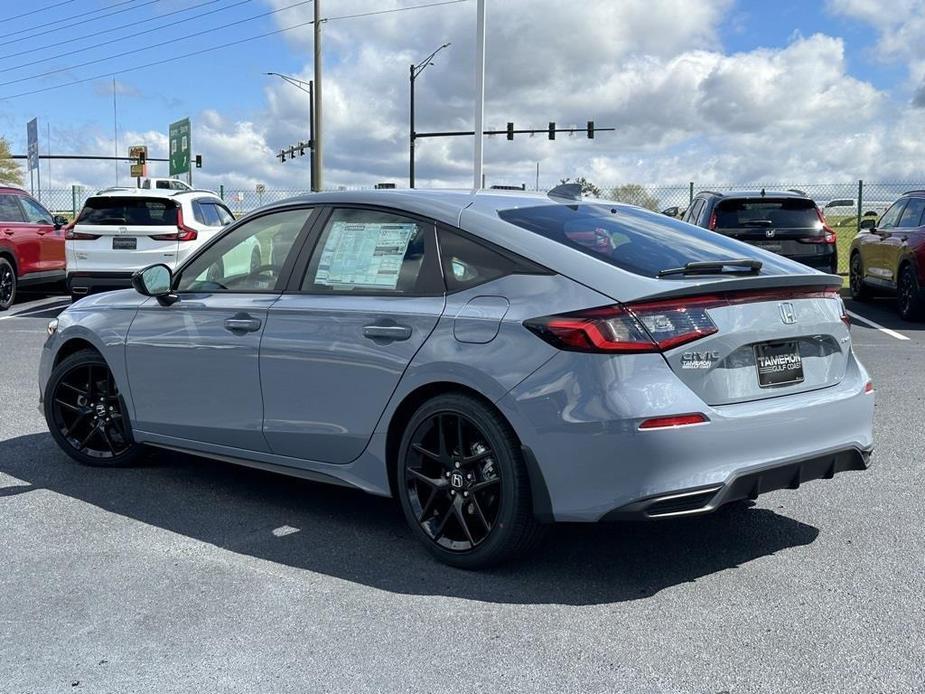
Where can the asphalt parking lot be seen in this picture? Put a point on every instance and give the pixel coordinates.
(188, 574)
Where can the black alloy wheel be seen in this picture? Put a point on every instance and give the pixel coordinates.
(7, 284)
(859, 290)
(463, 485)
(908, 294)
(85, 412)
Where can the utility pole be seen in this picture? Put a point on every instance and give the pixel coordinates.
(479, 93)
(319, 161)
(415, 71)
(115, 129)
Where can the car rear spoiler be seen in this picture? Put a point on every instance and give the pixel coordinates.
(736, 284)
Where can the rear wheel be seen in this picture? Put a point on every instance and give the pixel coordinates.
(7, 284)
(909, 294)
(463, 484)
(859, 290)
(84, 412)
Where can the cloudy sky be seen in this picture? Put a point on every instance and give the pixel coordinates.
(718, 91)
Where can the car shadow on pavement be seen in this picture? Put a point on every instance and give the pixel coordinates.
(357, 537)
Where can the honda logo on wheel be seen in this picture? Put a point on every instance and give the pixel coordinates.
(787, 314)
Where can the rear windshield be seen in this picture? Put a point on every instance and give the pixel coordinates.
(780, 213)
(129, 211)
(630, 238)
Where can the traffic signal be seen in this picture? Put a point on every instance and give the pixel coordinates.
(590, 129)
(552, 130)
(198, 161)
(142, 156)
(301, 148)
(510, 131)
(282, 156)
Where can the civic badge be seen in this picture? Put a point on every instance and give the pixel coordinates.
(769, 233)
(787, 314)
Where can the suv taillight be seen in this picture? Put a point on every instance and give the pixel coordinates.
(183, 233)
(633, 328)
(828, 237)
(712, 225)
(71, 235)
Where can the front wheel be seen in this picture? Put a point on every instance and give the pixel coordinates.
(909, 295)
(7, 284)
(85, 414)
(463, 484)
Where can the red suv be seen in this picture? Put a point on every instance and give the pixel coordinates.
(889, 257)
(31, 244)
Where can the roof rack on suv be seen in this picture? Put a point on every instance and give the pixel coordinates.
(192, 190)
(919, 190)
(797, 191)
(709, 192)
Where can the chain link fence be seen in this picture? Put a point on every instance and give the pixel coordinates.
(844, 204)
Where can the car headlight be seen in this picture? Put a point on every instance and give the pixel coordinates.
(52, 326)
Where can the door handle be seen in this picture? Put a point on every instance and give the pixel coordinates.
(242, 324)
(387, 332)
(8, 232)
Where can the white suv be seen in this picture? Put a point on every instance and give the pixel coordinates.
(120, 231)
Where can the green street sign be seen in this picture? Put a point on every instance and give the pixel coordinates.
(179, 138)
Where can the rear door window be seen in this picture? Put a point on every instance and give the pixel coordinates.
(10, 211)
(780, 213)
(630, 238)
(117, 211)
(912, 215)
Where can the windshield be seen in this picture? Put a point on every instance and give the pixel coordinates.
(780, 213)
(129, 211)
(632, 239)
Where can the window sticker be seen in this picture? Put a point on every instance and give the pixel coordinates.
(364, 254)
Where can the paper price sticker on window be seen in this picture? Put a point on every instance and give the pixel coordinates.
(364, 254)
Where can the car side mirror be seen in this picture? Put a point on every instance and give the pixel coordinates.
(869, 224)
(156, 281)
(671, 211)
(59, 221)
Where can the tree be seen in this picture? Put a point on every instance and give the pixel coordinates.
(634, 194)
(10, 172)
(587, 188)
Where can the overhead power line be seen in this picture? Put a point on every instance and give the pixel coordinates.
(41, 9)
(171, 40)
(44, 34)
(125, 37)
(210, 49)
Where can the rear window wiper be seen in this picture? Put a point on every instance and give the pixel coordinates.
(715, 267)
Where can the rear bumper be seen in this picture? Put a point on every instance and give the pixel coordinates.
(748, 484)
(92, 282)
(579, 414)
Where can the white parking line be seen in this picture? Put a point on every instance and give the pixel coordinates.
(35, 307)
(887, 331)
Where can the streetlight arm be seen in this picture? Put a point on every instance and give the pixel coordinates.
(424, 64)
(295, 82)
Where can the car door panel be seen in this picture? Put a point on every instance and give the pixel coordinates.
(50, 240)
(876, 258)
(194, 371)
(329, 365)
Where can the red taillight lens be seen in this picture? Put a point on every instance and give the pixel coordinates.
(869, 387)
(71, 235)
(828, 237)
(634, 328)
(712, 225)
(183, 233)
(676, 420)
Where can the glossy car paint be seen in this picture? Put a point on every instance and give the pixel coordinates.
(303, 401)
(36, 249)
(885, 252)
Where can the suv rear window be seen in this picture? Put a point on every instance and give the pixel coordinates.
(129, 211)
(780, 213)
(630, 238)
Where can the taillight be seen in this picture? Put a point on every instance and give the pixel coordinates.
(71, 235)
(869, 387)
(655, 326)
(183, 233)
(828, 236)
(712, 225)
(633, 328)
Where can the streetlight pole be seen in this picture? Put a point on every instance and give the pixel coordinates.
(317, 151)
(414, 72)
(301, 84)
(479, 94)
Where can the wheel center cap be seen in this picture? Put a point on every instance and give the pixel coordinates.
(456, 480)
(101, 410)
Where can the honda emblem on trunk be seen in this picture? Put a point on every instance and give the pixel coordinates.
(769, 233)
(787, 314)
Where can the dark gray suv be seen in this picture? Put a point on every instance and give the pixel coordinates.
(788, 223)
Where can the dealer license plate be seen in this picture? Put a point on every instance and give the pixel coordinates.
(778, 363)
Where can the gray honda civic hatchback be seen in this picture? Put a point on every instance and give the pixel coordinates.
(496, 361)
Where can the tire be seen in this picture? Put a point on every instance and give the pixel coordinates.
(7, 284)
(469, 511)
(859, 290)
(85, 413)
(909, 295)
